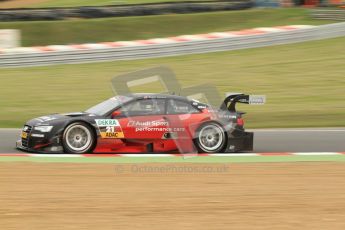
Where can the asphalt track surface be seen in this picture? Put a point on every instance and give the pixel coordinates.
(265, 140)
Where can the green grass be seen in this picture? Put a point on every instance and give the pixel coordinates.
(132, 28)
(304, 83)
(138, 160)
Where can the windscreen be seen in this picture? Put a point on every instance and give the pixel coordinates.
(107, 106)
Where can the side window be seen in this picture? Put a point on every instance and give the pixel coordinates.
(180, 107)
(144, 107)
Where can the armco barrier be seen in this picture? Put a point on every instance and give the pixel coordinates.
(329, 14)
(171, 49)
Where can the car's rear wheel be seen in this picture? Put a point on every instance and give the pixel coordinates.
(78, 138)
(210, 138)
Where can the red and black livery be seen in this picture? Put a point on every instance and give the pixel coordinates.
(142, 123)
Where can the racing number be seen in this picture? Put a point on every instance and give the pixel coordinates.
(110, 132)
(109, 128)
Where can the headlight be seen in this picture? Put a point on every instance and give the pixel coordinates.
(44, 129)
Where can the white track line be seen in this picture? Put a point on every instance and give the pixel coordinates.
(316, 153)
(234, 154)
(54, 155)
(146, 155)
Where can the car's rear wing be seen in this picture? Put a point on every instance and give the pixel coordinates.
(231, 99)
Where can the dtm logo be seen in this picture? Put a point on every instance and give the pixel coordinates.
(109, 128)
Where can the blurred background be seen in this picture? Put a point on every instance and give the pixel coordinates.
(304, 81)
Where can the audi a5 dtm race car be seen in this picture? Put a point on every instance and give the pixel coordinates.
(142, 123)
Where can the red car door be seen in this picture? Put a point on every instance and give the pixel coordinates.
(143, 119)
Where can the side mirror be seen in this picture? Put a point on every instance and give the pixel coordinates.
(116, 113)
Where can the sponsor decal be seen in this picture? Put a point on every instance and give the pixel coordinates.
(243, 100)
(227, 116)
(24, 135)
(153, 126)
(148, 123)
(107, 122)
(257, 99)
(109, 128)
(158, 129)
(170, 135)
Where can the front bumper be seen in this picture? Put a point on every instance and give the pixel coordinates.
(243, 142)
(43, 149)
(19, 145)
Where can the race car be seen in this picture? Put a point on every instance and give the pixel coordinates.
(142, 123)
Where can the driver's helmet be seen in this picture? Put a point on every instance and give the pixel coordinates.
(146, 105)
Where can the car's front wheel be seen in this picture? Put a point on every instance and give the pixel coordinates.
(210, 138)
(78, 138)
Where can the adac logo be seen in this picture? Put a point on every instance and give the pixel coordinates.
(112, 135)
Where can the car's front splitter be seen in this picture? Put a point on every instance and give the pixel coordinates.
(46, 149)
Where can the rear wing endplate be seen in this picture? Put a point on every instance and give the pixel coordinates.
(232, 99)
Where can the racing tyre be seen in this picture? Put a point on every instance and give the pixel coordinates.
(78, 138)
(210, 138)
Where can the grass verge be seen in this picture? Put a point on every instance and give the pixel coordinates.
(36, 33)
(304, 83)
